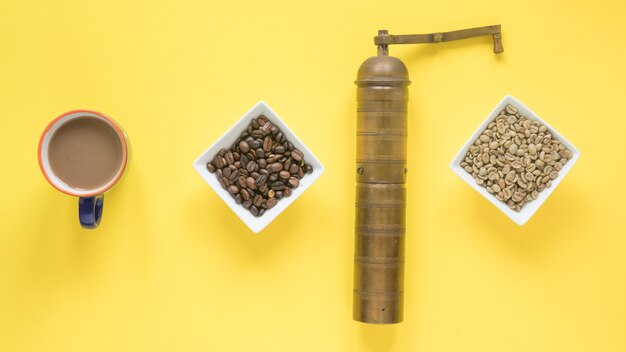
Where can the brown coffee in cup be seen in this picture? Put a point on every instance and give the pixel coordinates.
(86, 153)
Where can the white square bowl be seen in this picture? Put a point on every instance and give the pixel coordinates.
(256, 224)
(529, 209)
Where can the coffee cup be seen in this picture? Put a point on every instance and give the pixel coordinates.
(84, 153)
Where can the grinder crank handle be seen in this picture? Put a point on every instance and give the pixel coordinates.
(383, 39)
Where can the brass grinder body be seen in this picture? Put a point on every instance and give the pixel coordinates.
(382, 97)
(381, 150)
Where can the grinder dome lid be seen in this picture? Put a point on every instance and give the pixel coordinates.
(386, 69)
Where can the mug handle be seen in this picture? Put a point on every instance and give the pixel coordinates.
(90, 211)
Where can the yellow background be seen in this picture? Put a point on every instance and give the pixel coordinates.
(173, 269)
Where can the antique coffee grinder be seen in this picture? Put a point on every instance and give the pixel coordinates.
(382, 95)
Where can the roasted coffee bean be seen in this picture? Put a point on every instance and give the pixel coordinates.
(257, 200)
(276, 167)
(227, 172)
(220, 162)
(278, 149)
(284, 175)
(267, 127)
(271, 203)
(279, 194)
(244, 147)
(254, 175)
(261, 180)
(279, 137)
(250, 183)
(293, 169)
(251, 166)
(234, 176)
(274, 130)
(245, 194)
(257, 134)
(243, 172)
(244, 160)
(297, 155)
(287, 192)
(210, 167)
(267, 144)
(229, 158)
(262, 163)
(255, 144)
(254, 210)
(300, 172)
(308, 168)
(261, 212)
(247, 203)
(241, 181)
(273, 177)
(293, 182)
(226, 181)
(233, 189)
(263, 188)
(287, 164)
(238, 199)
(254, 124)
(222, 152)
(260, 153)
(278, 185)
(224, 185)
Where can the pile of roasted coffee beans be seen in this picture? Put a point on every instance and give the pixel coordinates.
(260, 168)
(515, 158)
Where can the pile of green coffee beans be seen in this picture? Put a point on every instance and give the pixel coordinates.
(515, 158)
